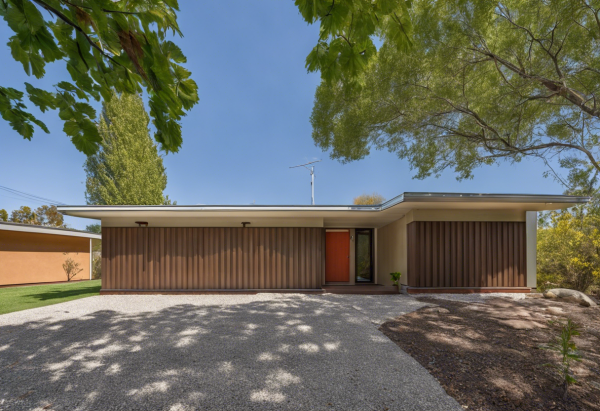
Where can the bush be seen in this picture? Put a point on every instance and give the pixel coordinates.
(96, 267)
(395, 277)
(71, 268)
(568, 252)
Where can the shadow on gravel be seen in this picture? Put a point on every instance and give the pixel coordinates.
(283, 354)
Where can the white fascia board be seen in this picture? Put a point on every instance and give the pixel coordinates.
(48, 230)
(97, 211)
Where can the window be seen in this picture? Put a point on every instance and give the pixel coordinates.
(364, 255)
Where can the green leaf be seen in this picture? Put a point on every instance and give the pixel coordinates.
(97, 64)
(44, 100)
(32, 16)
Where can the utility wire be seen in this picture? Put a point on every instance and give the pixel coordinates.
(30, 197)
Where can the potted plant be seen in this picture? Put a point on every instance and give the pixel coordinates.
(395, 278)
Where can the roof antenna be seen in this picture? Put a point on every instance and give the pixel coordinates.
(312, 177)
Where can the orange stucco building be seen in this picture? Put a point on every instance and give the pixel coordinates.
(32, 254)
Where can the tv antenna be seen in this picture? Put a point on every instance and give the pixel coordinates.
(312, 177)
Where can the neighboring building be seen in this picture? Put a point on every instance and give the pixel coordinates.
(32, 254)
(440, 242)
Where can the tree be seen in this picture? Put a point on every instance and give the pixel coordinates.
(107, 46)
(568, 247)
(94, 228)
(49, 216)
(23, 215)
(569, 252)
(3, 215)
(347, 30)
(484, 81)
(127, 169)
(71, 268)
(44, 215)
(369, 199)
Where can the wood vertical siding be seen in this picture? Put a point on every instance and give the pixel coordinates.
(198, 258)
(466, 254)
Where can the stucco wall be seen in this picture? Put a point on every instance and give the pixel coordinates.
(37, 258)
(391, 251)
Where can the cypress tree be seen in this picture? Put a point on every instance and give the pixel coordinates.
(127, 169)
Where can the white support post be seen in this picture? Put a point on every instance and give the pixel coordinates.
(531, 244)
(91, 258)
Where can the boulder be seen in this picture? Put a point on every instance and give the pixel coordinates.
(435, 309)
(570, 295)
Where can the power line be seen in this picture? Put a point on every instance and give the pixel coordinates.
(30, 197)
(21, 199)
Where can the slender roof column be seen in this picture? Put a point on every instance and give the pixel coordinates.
(531, 243)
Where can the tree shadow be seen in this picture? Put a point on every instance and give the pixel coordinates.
(487, 356)
(65, 293)
(287, 353)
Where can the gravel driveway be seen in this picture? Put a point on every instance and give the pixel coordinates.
(221, 352)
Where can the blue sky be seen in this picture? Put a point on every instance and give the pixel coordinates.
(251, 124)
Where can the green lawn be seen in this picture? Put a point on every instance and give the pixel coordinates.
(22, 298)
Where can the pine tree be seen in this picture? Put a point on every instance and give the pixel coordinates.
(128, 168)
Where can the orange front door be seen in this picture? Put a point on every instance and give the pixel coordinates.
(337, 256)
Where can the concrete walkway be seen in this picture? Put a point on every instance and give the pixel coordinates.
(265, 351)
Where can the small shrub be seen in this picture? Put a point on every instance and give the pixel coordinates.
(71, 268)
(565, 347)
(96, 268)
(395, 277)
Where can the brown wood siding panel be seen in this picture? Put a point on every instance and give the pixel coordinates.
(212, 258)
(466, 254)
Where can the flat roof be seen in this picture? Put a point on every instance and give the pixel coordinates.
(318, 215)
(30, 228)
(408, 197)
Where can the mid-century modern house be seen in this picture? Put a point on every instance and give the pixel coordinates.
(32, 254)
(440, 242)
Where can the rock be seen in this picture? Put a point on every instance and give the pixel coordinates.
(436, 309)
(570, 295)
(522, 324)
(555, 310)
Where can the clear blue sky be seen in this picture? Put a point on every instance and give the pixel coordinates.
(251, 124)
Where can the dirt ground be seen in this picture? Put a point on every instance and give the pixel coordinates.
(487, 355)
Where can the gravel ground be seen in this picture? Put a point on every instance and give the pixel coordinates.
(474, 298)
(222, 352)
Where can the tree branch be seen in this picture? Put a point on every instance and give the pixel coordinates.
(79, 29)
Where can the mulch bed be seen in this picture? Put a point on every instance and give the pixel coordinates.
(487, 356)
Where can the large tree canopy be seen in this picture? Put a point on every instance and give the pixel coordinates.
(127, 169)
(107, 45)
(483, 81)
(347, 32)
